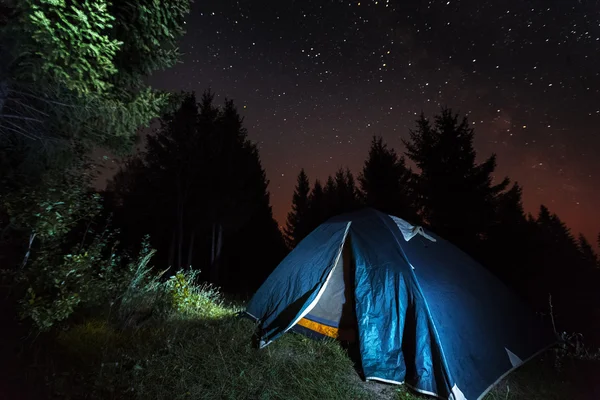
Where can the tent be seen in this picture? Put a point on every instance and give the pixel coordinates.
(423, 313)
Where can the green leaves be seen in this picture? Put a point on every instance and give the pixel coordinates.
(76, 82)
(89, 275)
(78, 71)
(73, 43)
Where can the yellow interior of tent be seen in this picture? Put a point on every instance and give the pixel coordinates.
(319, 328)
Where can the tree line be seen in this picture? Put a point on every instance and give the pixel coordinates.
(537, 256)
(200, 192)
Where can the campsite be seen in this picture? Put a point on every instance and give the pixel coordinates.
(299, 200)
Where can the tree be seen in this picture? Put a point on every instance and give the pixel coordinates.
(330, 203)
(346, 192)
(511, 234)
(209, 193)
(62, 86)
(588, 256)
(562, 273)
(455, 196)
(166, 172)
(316, 206)
(71, 79)
(297, 225)
(73, 73)
(339, 194)
(385, 182)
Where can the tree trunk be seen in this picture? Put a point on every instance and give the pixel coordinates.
(31, 238)
(190, 250)
(217, 246)
(172, 250)
(180, 241)
(219, 242)
(3, 95)
(212, 246)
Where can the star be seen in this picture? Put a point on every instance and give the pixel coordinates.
(314, 70)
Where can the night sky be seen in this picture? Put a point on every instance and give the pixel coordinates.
(316, 80)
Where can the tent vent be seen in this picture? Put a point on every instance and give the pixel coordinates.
(409, 231)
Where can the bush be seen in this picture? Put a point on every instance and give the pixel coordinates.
(572, 347)
(70, 261)
(189, 299)
(87, 277)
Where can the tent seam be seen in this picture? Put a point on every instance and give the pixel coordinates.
(427, 309)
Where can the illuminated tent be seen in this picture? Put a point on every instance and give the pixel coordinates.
(423, 312)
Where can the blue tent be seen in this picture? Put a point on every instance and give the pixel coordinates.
(424, 313)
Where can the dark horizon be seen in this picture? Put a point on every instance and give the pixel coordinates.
(281, 203)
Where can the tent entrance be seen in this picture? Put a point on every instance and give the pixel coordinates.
(334, 315)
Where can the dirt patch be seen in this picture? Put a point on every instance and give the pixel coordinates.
(376, 390)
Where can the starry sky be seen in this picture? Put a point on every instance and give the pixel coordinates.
(316, 79)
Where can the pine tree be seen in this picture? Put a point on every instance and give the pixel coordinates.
(455, 196)
(316, 206)
(561, 272)
(298, 219)
(168, 172)
(73, 74)
(346, 192)
(209, 191)
(385, 182)
(589, 258)
(330, 199)
(510, 230)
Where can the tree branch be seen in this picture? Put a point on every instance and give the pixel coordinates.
(19, 117)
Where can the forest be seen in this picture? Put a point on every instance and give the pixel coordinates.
(189, 215)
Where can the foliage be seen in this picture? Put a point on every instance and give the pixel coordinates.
(316, 206)
(297, 224)
(588, 256)
(72, 74)
(572, 346)
(187, 298)
(345, 197)
(209, 194)
(510, 229)
(90, 275)
(65, 88)
(70, 262)
(456, 196)
(56, 288)
(385, 182)
(95, 46)
(69, 43)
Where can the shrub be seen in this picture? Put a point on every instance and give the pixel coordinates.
(187, 298)
(88, 276)
(70, 262)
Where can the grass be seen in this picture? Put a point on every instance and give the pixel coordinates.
(202, 350)
(204, 359)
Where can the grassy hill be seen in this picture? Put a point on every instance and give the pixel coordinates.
(201, 349)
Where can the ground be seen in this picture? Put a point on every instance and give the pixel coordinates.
(206, 352)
